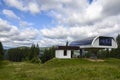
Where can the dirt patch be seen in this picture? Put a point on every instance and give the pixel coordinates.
(95, 60)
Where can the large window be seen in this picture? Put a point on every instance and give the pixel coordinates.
(105, 41)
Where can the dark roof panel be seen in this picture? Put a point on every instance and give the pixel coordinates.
(87, 41)
(67, 48)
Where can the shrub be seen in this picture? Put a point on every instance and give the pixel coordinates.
(36, 60)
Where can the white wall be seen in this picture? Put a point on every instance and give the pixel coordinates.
(60, 54)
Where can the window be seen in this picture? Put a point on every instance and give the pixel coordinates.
(65, 52)
(105, 41)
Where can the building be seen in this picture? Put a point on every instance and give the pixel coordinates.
(65, 51)
(92, 44)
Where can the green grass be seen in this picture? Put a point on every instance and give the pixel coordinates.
(61, 69)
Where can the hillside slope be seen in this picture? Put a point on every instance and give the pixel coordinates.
(61, 69)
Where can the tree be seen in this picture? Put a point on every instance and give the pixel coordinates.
(24, 53)
(118, 40)
(18, 54)
(48, 54)
(34, 52)
(1, 51)
(31, 54)
(115, 53)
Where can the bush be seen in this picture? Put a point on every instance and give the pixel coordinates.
(36, 60)
(87, 55)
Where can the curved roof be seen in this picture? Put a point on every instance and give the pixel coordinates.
(95, 42)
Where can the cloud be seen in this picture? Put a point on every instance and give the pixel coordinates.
(17, 4)
(82, 12)
(64, 33)
(24, 5)
(11, 35)
(58, 32)
(73, 19)
(50, 42)
(33, 8)
(25, 24)
(78, 21)
(10, 13)
(109, 26)
(93, 12)
(111, 7)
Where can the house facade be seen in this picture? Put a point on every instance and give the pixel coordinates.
(65, 51)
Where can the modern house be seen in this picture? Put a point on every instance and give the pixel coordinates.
(92, 44)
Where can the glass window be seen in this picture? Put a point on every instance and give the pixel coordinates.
(105, 41)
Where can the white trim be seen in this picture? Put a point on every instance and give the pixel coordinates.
(95, 39)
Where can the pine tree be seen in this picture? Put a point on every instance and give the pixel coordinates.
(37, 49)
(48, 54)
(115, 53)
(1, 51)
(118, 40)
(118, 49)
(32, 52)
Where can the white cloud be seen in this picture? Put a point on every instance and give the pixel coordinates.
(11, 35)
(81, 11)
(111, 7)
(33, 8)
(79, 19)
(24, 5)
(104, 27)
(93, 11)
(10, 13)
(58, 32)
(17, 4)
(64, 33)
(50, 42)
(3, 26)
(25, 24)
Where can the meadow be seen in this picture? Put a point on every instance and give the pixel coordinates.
(61, 69)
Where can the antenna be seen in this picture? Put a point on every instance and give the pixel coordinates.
(67, 43)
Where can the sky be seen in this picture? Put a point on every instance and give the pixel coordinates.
(53, 22)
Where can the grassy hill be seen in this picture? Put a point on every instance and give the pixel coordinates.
(61, 69)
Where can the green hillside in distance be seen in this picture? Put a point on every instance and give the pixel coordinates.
(61, 69)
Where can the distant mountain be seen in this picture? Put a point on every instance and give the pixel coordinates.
(9, 47)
